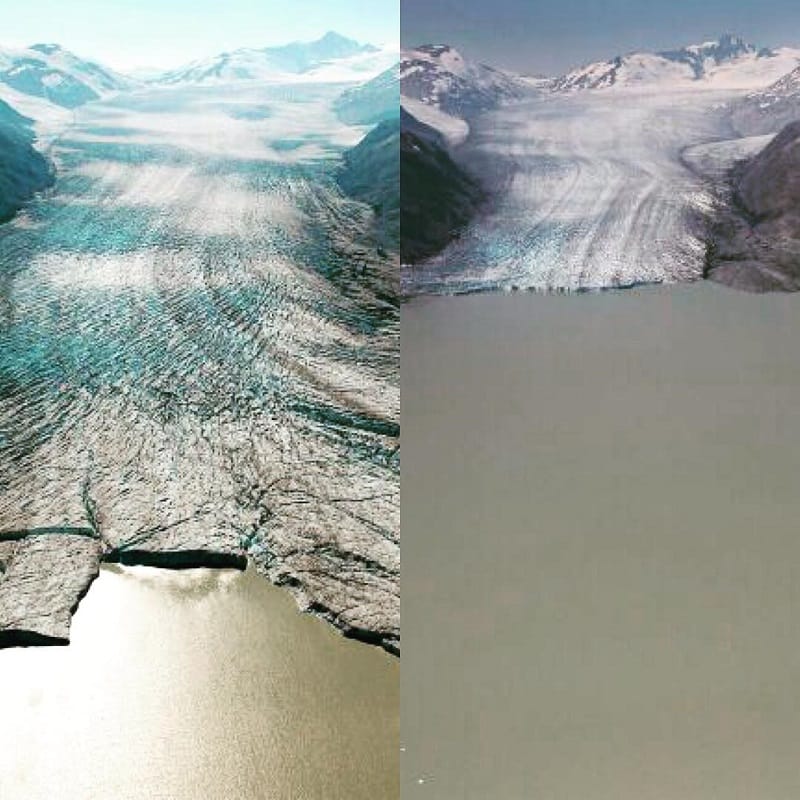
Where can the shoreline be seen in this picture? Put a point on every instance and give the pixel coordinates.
(45, 617)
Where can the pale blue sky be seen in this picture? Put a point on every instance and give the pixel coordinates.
(167, 33)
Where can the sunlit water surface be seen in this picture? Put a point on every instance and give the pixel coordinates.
(197, 684)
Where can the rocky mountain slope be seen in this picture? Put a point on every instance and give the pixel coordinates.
(770, 109)
(437, 196)
(438, 75)
(442, 89)
(441, 93)
(23, 170)
(372, 174)
(39, 88)
(756, 237)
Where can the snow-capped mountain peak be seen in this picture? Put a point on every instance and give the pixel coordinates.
(728, 62)
(438, 76)
(722, 49)
(443, 90)
(444, 57)
(50, 72)
(333, 57)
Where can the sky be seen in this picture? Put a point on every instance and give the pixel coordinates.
(551, 36)
(128, 34)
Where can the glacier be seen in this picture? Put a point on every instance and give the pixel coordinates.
(199, 346)
(604, 178)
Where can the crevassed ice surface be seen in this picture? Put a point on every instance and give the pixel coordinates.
(591, 191)
(198, 338)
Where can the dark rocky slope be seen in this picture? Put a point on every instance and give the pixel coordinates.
(755, 242)
(372, 174)
(23, 170)
(438, 198)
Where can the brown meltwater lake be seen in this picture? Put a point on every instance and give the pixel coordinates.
(601, 546)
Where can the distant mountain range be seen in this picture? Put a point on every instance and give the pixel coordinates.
(442, 89)
(40, 85)
(52, 74)
(319, 59)
(727, 63)
(441, 79)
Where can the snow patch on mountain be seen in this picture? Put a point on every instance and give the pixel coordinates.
(787, 87)
(454, 129)
(442, 89)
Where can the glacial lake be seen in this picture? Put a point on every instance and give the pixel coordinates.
(601, 559)
(198, 684)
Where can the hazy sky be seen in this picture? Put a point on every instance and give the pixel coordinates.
(167, 33)
(549, 36)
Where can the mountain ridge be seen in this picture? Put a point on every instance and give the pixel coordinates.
(728, 62)
(55, 74)
(768, 110)
(439, 76)
(295, 58)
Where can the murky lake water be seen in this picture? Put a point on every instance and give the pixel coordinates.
(601, 560)
(197, 684)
